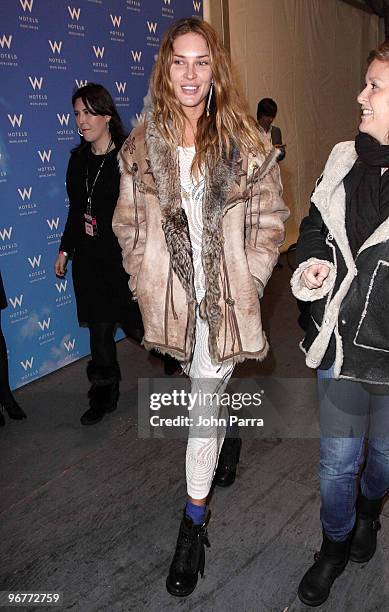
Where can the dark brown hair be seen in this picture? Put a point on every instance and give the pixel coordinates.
(99, 101)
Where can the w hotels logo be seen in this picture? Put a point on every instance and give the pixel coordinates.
(152, 25)
(136, 55)
(15, 120)
(69, 345)
(27, 364)
(45, 324)
(6, 233)
(55, 46)
(63, 119)
(167, 2)
(53, 223)
(74, 12)
(99, 51)
(17, 301)
(45, 155)
(35, 261)
(121, 87)
(116, 20)
(27, 4)
(61, 287)
(196, 6)
(80, 83)
(25, 193)
(35, 82)
(5, 41)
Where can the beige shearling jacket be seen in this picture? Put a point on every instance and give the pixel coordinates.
(243, 227)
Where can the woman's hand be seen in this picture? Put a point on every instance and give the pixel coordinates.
(314, 276)
(60, 264)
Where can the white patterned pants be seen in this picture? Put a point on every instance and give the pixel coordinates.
(206, 435)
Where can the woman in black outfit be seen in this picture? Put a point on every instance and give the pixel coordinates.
(7, 400)
(100, 282)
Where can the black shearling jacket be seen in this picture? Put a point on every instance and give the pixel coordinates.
(349, 324)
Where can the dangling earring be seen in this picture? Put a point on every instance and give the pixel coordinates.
(208, 109)
(79, 132)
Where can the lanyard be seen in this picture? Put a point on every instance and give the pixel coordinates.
(89, 192)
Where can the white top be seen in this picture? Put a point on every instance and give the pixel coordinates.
(192, 193)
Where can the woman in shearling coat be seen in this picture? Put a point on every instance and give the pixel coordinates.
(199, 219)
(343, 252)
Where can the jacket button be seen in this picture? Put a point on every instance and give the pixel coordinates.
(330, 237)
(343, 321)
(326, 321)
(355, 272)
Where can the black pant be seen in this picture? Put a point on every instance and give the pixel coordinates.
(5, 391)
(102, 343)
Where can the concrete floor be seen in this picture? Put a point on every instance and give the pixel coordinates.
(93, 512)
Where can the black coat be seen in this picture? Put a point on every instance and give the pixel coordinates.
(3, 299)
(100, 282)
(349, 323)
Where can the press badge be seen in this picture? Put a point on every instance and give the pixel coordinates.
(90, 225)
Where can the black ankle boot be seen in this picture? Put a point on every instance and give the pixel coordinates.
(330, 562)
(189, 558)
(9, 403)
(228, 461)
(364, 540)
(14, 411)
(104, 392)
(2, 421)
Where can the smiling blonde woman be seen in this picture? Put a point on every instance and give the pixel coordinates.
(199, 219)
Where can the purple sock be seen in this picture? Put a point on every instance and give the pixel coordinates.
(196, 513)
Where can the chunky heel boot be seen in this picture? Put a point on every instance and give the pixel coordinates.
(367, 525)
(189, 558)
(104, 392)
(9, 403)
(330, 562)
(228, 461)
(14, 411)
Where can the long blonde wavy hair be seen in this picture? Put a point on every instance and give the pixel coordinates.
(229, 122)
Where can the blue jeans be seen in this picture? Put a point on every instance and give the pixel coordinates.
(348, 414)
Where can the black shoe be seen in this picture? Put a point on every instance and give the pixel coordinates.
(2, 421)
(14, 410)
(170, 365)
(104, 392)
(228, 461)
(101, 400)
(189, 558)
(364, 540)
(330, 562)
